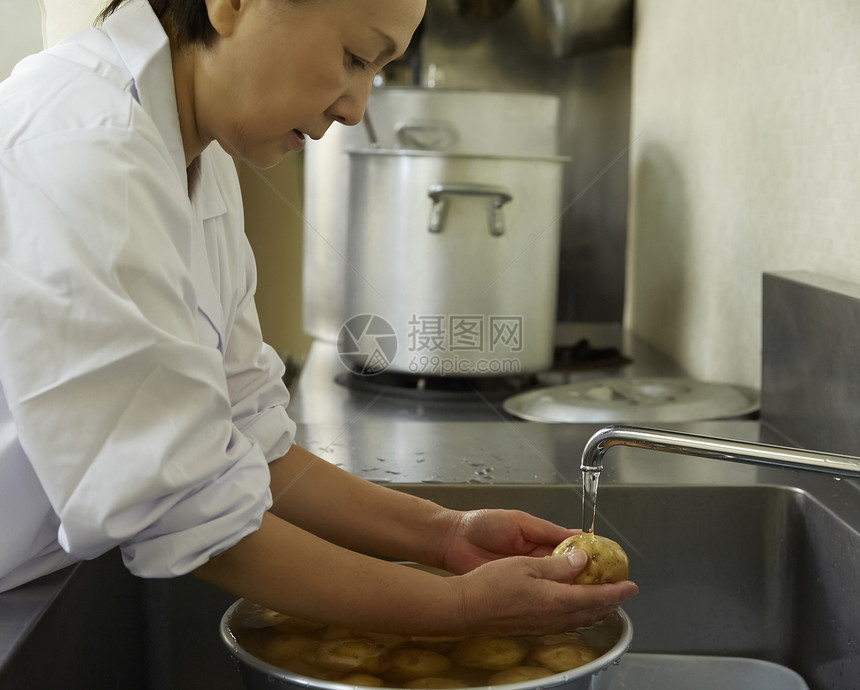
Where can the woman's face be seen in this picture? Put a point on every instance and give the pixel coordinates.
(285, 69)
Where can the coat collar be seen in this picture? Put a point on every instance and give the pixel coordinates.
(144, 47)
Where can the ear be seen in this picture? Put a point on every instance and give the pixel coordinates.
(224, 15)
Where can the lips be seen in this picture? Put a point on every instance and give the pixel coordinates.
(298, 140)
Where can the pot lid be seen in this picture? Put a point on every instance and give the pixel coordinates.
(633, 399)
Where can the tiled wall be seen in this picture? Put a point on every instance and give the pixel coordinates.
(745, 158)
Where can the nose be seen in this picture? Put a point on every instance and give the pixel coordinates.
(348, 109)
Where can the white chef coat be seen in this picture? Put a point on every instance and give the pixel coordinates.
(138, 404)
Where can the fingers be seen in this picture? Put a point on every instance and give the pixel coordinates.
(546, 534)
(583, 605)
(595, 597)
(562, 568)
(535, 596)
(565, 568)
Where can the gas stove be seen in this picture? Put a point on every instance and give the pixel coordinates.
(327, 392)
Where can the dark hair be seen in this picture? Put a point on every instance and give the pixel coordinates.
(185, 21)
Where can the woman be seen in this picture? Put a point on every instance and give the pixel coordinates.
(140, 407)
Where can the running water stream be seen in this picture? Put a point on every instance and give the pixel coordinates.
(590, 480)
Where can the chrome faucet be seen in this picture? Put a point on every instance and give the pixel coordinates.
(704, 447)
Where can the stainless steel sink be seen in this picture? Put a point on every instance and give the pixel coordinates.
(766, 572)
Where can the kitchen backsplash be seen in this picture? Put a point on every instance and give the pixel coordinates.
(810, 352)
(745, 159)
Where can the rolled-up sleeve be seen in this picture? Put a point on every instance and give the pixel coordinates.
(141, 436)
(257, 392)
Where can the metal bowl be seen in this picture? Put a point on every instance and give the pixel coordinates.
(259, 675)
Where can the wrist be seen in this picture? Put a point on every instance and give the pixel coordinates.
(442, 526)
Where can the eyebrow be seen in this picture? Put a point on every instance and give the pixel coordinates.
(390, 46)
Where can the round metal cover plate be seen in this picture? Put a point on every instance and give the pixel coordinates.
(622, 399)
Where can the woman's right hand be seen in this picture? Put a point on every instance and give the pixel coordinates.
(527, 595)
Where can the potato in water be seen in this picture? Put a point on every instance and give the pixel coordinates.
(607, 561)
(371, 659)
(490, 653)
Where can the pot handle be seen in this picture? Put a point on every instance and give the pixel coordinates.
(498, 197)
(426, 135)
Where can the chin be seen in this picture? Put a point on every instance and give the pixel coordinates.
(269, 162)
(262, 157)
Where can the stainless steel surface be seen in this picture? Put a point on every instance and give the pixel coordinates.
(318, 398)
(259, 675)
(715, 449)
(456, 121)
(459, 256)
(726, 566)
(810, 373)
(633, 400)
(514, 54)
(584, 26)
(466, 121)
(496, 198)
(325, 268)
(402, 450)
(690, 671)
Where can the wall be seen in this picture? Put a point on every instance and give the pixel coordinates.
(20, 32)
(273, 223)
(745, 158)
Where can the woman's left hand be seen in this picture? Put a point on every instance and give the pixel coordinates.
(480, 536)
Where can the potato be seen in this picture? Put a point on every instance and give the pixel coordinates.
(563, 657)
(519, 674)
(433, 682)
(607, 561)
(490, 653)
(283, 647)
(408, 663)
(351, 655)
(362, 679)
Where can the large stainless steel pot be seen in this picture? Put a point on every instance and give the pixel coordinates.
(453, 121)
(458, 255)
(259, 675)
